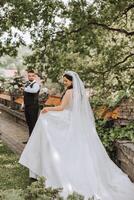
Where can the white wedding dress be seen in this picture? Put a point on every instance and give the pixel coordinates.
(65, 148)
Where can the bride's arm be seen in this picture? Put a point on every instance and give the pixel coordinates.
(64, 103)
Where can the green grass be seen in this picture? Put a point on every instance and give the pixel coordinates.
(12, 174)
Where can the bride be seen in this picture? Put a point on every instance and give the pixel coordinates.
(65, 148)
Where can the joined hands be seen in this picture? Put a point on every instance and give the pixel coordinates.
(45, 110)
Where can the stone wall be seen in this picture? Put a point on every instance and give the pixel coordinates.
(122, 113)
(17, 116)
(126, 112)
(125, 157)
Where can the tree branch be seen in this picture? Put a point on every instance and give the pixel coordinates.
(124, 60)
(115, 65)
(119, 30)
(97, 24)
(128, 8)
(124, 12)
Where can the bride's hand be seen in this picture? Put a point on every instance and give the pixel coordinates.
(45, 110)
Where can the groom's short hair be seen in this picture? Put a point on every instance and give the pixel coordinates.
(31, 71)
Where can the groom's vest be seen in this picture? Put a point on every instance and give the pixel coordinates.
(31, 98)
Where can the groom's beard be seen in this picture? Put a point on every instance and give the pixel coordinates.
(31, 80)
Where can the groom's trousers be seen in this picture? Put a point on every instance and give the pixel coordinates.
(31, 115)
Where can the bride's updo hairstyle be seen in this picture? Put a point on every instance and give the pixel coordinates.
(70, 78)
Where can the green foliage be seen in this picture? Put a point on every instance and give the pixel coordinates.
(12, 175)
(13, 86)
(2, 79)
(116, 98)
(109, 136)
(94, 39)
(37, 190)
(75, 196)
(110, 101)
(2, 86)
(11, 195)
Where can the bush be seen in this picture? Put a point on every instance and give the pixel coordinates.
(109, 135)
(38, 191)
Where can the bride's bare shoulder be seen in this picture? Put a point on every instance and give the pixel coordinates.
(69, 91)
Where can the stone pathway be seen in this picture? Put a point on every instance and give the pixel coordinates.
(12, 133)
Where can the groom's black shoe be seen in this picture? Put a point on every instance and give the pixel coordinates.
(31, 180)
(25, 142)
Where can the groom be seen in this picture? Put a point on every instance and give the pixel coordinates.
(31, 102)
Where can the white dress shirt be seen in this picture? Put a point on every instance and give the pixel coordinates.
(34, 89)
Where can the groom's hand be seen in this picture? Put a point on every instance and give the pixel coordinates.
(45, 110)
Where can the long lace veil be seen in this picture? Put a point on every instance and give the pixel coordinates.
(83, 124)
(81, 106)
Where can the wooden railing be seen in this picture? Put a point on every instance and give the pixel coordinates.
(15, 103)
